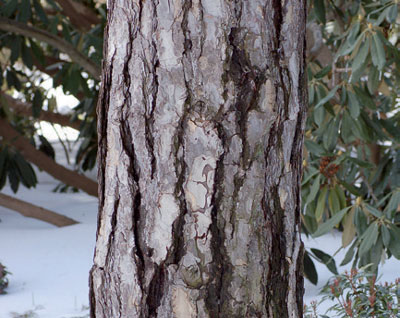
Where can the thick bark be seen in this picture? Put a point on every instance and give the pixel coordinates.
(33, 211)
(201, 119)
(38, 158)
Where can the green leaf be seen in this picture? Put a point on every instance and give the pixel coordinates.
(391, 13)
(361, 56)
(368, 239)
(27, 174)
(25, 11)
(26, 56)
(373, 210)
(385, 236)
(15, 48)
(37, 51)
(349, 254)
(354, 106)
(327, 97)
(378, 52)
(309, 269)
(314, 189)
(319, 9)
(352, 189)
(13, 178)
(12, 80)
(334, 203)
(364, 97)
(322, 73)
(330, 223)
(40, 12)
(326, 259)
(373, 80)
(394, 245)
(9, 8)
(3, 159)
(321, 204)
(319, 116)
(314, 148)
(37, 103)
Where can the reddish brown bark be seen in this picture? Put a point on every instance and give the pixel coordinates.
(33, 211)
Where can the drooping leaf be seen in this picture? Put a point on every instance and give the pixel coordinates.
(37, 103)
(309, 269)
(326, 259)
(368, 239)
(330, 223)
(319, 9)
(327, 97)
(378, 52)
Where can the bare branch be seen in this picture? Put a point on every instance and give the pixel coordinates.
(33, 211)
(25, 109)
(62, 45)
(44, 162)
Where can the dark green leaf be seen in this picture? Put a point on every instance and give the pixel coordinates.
(25, 11)
(319, 9)
(40, 12)
(12, 80)
(326, 259)
(13, 178)
(15, 48)
(349, 254)
(27, 174)
(37, 103)
(26, 56)
(309, 269)
(322, 73)
(9, 8)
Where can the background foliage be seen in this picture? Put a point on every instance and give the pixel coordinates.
(352, 158)
(352, 164)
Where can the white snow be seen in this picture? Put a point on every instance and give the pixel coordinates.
(50, 265)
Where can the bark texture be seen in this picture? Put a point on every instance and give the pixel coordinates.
(201, 119)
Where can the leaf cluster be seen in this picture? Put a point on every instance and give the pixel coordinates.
(351, 179)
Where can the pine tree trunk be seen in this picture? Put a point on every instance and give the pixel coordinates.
(201, 120)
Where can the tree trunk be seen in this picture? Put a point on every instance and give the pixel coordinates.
(201, 120)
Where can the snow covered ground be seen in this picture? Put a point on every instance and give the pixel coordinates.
(50, 265)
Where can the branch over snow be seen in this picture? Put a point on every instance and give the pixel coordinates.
(44, 36)
(25, 109)
(44, 162)
(33, 211)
